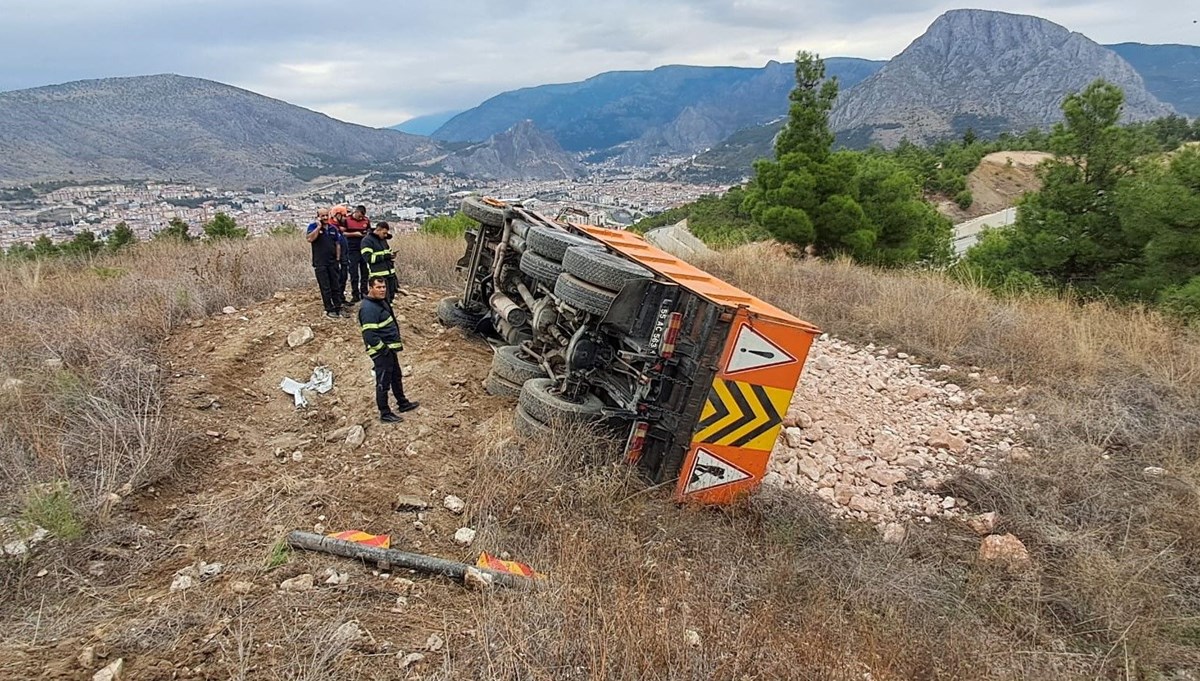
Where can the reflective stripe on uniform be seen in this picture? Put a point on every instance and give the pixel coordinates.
(377, 325)
(381, 273)
(396, 345)
(371, 351)
(373, 255)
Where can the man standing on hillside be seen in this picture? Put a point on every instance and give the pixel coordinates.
(378, 256)
(357, 226)
(381, 335)
(325, 254)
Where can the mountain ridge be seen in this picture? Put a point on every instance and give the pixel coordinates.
(183, 128)
(992, 71)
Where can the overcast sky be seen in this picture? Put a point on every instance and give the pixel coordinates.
(380, 63)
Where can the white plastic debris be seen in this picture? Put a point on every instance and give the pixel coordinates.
(321, 381)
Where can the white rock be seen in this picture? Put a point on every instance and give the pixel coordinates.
(87, 657)
(823, 363)
(241, 587)
(297, 456)
(454, 504)
(348, 633)
(794, 437)
(302, 582)
(463, 536)
(434, 643)
(477, 579)
(886, 477)
(948, 502)
(410, 659)
(53, 363)
(356, 436)
(112, 672)
(229, 309)
(809, 468)
(983, 524)
(691, 638)
(182, 582)
(406, 371)
(209, 570)
(300, 336)
(864, 504)
(1005, 550)
(11, 385)
(1154, 471)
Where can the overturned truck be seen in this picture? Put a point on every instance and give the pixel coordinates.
(594, 325)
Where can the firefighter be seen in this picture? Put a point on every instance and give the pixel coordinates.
(381, 335)
(378, 256)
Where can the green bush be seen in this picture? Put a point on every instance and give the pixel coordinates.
(450, 226)
(50, 506)
(964, 199)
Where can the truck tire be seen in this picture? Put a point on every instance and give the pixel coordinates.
(527, 426)
(513, 366)
(451, 314)
(538, 402)
(500, 387)
(583, 296)
(484, 213)
(602, 268)
(542, 269)
(553, 243)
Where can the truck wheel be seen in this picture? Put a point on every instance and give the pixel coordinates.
(602, 268)
(485, 213)
(583, 296)
(527, 426)
(512, 365)
(547, 407)
(500, 387)
(450, 313)
(553, 243)
(542, 269)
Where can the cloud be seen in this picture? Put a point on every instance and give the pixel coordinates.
(378, 63)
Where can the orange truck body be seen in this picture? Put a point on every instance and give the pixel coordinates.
(753, 382)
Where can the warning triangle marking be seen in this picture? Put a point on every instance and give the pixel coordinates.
(752, 350)
(710, 471)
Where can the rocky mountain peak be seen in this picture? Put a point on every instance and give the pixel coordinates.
(991, 71)
(523, 152)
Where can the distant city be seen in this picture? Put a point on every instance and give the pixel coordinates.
(609, 196)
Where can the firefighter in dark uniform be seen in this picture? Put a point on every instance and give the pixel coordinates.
(378, 256)
(381, 334)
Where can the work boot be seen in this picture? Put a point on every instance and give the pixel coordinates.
(407, 405)
(390, 418)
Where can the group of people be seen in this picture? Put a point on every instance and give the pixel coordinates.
(347, 247)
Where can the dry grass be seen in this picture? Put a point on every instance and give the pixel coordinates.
(773, 589)
(85, 338)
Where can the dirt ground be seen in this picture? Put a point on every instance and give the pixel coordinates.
(260, 468)
(997, 184)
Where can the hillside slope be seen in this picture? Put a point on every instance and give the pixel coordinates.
(176, 127)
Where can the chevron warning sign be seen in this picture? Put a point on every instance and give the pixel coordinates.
(380, 541)
(742, 415)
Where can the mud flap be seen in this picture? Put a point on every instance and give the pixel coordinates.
(640, 307)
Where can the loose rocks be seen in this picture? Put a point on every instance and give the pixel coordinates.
(874, 436)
